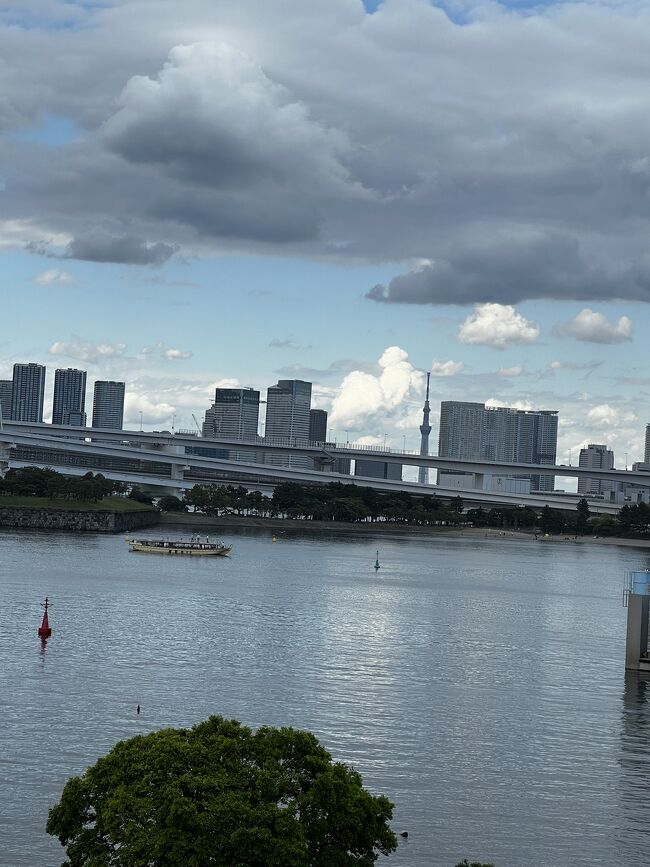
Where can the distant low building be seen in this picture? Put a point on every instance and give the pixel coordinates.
(378, 470)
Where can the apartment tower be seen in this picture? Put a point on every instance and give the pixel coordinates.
(108, 405)
(69, 397)
(27, 392)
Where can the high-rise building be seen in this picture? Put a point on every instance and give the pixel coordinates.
(646, 454)
(378, 470)
(317, 426)
(287, 417)
(234, 413)
(596, 457)
(6, 386)
(69, 396)
(472, 431)
(108, 405)
(27, 392)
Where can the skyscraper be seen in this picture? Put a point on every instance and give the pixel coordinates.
(5, 398)
(108, 405)
(646, 454)
(317, 426)
(287, 410)
(27, 392)
(472, 431)
(234, 413)
(287, 417)
(425, 430)
(69, 396)
(595, 457)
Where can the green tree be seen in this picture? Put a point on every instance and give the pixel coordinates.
(169, 503)
(465, 863)
(582, 516)
(220, 794)
(140, 496)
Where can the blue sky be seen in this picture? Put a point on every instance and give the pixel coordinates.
(218, 198)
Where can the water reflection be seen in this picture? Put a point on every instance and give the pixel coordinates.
(634, 761)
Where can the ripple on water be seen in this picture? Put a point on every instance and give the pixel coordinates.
(478, 683)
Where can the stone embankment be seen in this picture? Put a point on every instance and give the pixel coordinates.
(100, 521)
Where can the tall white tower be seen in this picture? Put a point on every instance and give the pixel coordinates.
(425, 430)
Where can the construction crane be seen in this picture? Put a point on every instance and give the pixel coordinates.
(198, 426)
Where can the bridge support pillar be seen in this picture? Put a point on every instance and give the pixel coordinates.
(324, 463)
(5, 455)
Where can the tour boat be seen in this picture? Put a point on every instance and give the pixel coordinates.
(195, 547)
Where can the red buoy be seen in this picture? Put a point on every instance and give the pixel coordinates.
(44, 630)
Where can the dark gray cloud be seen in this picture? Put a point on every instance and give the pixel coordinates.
(500, 151)
(513, 268)
(124, 250)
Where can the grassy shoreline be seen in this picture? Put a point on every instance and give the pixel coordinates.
(110, 504)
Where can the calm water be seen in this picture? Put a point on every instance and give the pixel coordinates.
(477, 682)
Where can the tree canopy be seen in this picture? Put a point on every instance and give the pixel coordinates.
(221, 794)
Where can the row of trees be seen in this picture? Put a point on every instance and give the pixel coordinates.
(336, 502)
(36, 482)
(333, 502)
(354, 504)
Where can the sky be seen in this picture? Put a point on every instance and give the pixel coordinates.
(198, 194)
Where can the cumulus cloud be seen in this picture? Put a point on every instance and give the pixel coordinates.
(527, 179)
(53, 277)
(85, 350)
(497, 326)
(446, 368)
(154, 411)
(363, 396)
(592, 327)
(603, 415)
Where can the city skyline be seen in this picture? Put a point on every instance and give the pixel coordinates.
(213, 418)
(518, 288)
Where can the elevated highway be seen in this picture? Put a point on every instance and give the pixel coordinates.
(160, 461)
(323, 453)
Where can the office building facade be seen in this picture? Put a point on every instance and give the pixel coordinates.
(472, 431)
(596, 457)
(27, 392)
(234, 413)
(108, 405)
(317, 426)
(6, 386)
(69, 396)
(288, 407)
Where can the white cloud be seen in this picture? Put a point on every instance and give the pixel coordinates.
(84, 350)
(154, 411)
(516, 370)
(176, 354)
(498, 326)
(604, 415)
(593, 327)
(363, 396)
(446, 368)
(55, 276)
